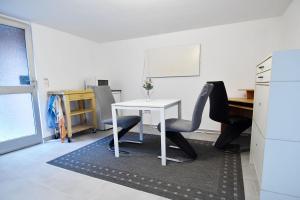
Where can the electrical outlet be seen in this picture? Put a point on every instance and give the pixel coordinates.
(46, 82)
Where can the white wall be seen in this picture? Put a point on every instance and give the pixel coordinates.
(228, 52)
(64, 59)
(291, 26)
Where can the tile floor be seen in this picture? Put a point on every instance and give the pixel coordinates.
(24, 174)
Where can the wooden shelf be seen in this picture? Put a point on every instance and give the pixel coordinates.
(241, 100)
(81, 111)
(241, 107)
(81, 127)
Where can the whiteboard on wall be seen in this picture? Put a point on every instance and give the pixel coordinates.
(173, 61)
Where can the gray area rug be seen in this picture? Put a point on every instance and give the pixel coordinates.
(214, 175)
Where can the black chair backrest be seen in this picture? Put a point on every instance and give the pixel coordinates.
(199, 106)
(218, 102)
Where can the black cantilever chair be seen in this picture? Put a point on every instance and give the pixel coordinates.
(174, 127)
(104, 100)
(219, 112)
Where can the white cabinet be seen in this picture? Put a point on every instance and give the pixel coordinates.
(286, 99)
(281, 167)
(275, 141)
(260, 108)
(257, 150)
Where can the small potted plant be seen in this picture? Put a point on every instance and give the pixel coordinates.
(148, 85)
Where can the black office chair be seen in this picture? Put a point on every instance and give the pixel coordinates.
(219, 112)
(104, 100)
(174, 127)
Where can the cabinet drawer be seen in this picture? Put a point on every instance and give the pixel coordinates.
(257, 150)
(263, 77)
(74, 97)
(261, 105)
(266, 65)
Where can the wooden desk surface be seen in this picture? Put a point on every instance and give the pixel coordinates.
(241, 103)
(241, 107)
(241, 100)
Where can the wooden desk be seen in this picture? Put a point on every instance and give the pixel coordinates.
(240, 107)
(249, 93)
(241, 100)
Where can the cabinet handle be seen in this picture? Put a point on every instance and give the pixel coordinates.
(261, 67)
(260, 77)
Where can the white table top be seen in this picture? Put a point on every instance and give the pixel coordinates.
(148, 103)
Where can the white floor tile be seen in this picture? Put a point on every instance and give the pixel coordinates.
(24, 174)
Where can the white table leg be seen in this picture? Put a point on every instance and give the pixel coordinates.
(163, 137)
(141, 126)
(115, 131)
(179, 110)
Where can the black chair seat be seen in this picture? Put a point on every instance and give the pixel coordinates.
(177, 125)
(232, 120)
(124, 121)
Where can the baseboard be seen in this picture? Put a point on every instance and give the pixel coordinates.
(208, 131)
(50, 137)
(205, 131)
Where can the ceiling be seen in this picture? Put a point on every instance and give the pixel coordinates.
(109, 20)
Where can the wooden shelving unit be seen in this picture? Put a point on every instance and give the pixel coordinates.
(79, 97)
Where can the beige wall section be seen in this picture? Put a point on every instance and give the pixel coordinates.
(64, 60)
(291, 26)
(228, 52)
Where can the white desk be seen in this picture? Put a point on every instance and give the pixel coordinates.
(144, 104)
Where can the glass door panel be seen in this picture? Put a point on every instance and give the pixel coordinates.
(16, 116)
(13, 57)
(19, 112)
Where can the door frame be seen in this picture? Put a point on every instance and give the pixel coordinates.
(25, 141)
